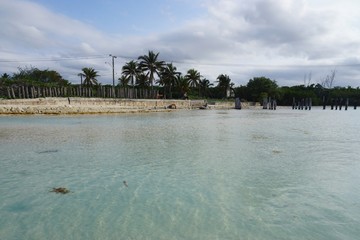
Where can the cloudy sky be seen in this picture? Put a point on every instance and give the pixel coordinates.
(290, 41)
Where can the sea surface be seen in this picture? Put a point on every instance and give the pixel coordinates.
(202, 174)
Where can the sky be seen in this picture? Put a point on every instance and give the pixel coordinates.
(293, 42)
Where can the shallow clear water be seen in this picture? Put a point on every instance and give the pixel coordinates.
(249, 174)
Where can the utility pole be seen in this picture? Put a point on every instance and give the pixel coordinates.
(81, 82)
(81, 78)
(113, 73)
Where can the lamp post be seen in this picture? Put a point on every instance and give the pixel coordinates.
(113, 73)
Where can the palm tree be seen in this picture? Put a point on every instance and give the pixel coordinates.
(183, 84)
(142, 81)
(90, 76)
(4, 79)
(150, 65)
(131, 70)
(5, 76)
(81, 75)
(168, 78)
(194, 77)
(124, 80)
(204, 86)
(224, 83)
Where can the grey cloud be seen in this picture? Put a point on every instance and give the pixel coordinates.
(241, 38)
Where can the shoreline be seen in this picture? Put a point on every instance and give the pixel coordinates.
(54, 105)
(77, 105)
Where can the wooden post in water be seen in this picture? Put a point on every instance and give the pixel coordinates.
(310, 103)
(355, 104)
(293, 103)
(237, 103)
(324, 103)
(264, 103)
(346, 104)
(270, 104)
(340, 103)
(274, 104)
(336, 103)
(302, 104)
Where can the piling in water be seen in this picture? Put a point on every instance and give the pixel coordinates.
(340, 103)
(237, 103)
(346, 104)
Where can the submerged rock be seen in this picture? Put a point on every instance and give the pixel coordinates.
(60, 190)
(48, 151)
(125, 183)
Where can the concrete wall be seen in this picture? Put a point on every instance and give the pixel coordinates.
(91, 105)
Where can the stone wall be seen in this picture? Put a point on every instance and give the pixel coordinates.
(92, 105)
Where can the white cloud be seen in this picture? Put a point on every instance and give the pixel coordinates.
(244, 39)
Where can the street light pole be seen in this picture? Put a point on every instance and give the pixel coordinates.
(113, 73)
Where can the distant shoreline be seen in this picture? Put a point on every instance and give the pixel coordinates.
(93, 105)
(74, 105)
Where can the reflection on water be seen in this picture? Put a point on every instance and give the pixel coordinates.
(245, 174)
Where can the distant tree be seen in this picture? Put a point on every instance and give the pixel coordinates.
(143, 81)
(329, 80)
(132, 71)
(151, 66)
(193, 77)
(124, 81)
(182, 85)
(205, 86)
(90, 76)
(224, 83)
(5, 76)
(260, 87)
(168, 78)
(36, 77)
(5, 80)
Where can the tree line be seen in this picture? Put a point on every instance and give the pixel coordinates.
(149, 72)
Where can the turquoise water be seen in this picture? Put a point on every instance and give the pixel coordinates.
(249, 174)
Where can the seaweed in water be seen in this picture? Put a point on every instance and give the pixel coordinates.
(61, 190)
(48, 151)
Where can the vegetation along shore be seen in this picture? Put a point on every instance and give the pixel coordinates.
(150, 78)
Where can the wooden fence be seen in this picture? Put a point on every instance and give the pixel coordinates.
(19, 92)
